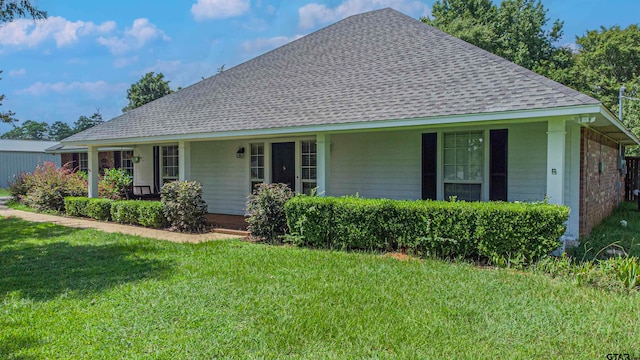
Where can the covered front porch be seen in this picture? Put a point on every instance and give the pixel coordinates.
(541, 161)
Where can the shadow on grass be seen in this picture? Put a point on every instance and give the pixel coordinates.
(13, 229)
(41, 270)
(11, 345)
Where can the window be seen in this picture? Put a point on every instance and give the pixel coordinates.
(463, 165)
(257, 164)
(126, 163)
(169, 163)
(83, 162)
(309, 169)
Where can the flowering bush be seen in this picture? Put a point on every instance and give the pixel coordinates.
(183, 206)
(48, 185)
(113, 184)
(267, 219)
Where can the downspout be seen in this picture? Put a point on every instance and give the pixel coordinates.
(620, 97)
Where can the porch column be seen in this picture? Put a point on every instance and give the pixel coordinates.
(556, 133)
(93, 171)
(323, 162)
(184, 160)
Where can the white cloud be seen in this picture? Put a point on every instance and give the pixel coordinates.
(23, 32)
(182, 74)
(17, 72)
(125, 61)
(218, 9)
(313, 14)
(265, 44)
(140, 33)
(97, 89)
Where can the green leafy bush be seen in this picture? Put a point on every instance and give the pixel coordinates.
(99, 209)
(184, 208)
(113, 184)
(125, 211)
(150, 214)
(48, 185)
(447, 229)
(267, 219)
(76, 206)
(19, 187)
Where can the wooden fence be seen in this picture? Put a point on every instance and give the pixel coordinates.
(633, 176)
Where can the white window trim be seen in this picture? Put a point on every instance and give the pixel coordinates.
(83, 158)
(164, 179)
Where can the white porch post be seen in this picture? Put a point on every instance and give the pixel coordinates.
(184, 160)
(323, 162)
(93, 171)
(556, 133)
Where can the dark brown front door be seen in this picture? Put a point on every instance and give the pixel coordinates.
(283, 163)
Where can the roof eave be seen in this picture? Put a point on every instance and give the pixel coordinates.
(502, 116)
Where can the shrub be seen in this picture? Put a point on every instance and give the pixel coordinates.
(99, 209)
(267, 219)
(19, 187)
(184, 208)
(447, 229)
(113, 184)
(125, 211)
(48, 185)
(76, 206)
(150, 214)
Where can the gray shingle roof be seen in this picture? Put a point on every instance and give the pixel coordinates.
(378, 65)
(25, 145)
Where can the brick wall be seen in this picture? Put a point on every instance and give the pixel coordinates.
(600, 189)
(106, 160)
(67, 158)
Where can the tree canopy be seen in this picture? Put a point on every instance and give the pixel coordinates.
(33, 130)
(150, 87)
(516, 30)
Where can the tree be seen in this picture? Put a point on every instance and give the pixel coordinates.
(83, 122)
(59, 130)
(10, 10)
(29, 130)
(516, 31)
(608, 59)
(150, 87)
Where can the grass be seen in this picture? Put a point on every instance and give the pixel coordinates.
(70, 293)
(611, 235)
(4, 192)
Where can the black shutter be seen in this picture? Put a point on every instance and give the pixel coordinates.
(429, 165)
(116, 159)
(498, 165)
(156, 169)
(75, 164)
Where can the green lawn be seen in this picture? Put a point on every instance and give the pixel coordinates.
(612, 235)
(4, 192)
(67, 293)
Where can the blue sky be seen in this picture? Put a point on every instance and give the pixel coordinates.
(87, 53)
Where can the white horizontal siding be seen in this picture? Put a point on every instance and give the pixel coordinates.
(13, 163)
(378, 164)
(527, 172)
(143, 171)
(224, 177)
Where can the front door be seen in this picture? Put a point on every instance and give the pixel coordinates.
(283, 163)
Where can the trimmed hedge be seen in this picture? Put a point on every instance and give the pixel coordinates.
(125, 211)
(150, 214)
(99, 209)
(491, 230)
(135, 212)
(76, 206)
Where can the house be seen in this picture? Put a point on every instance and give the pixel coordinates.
(109, 157)
(18, 156)
(380, 105)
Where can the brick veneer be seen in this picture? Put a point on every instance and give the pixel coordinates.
(106, 160)
(598, 189)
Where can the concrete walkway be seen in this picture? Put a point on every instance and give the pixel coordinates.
(111, 227)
